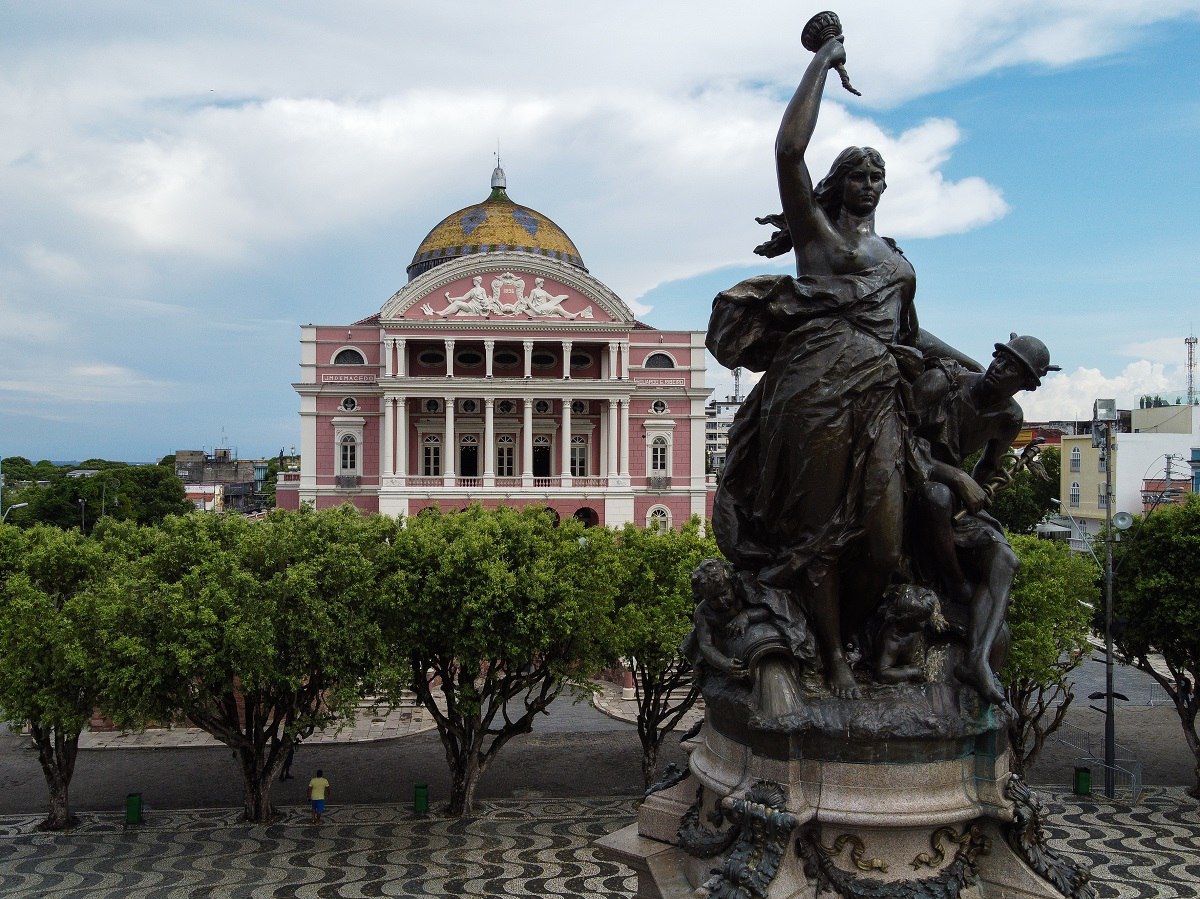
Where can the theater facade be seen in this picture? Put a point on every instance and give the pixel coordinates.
(503, 373)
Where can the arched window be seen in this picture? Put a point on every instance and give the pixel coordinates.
(1073, 496)
(431, 458)
(659, 455)
(1101, 497)
(579, 456)
(349, 357)
(659, 518)
(659, 360)
(348, 463)
(506, 456)
(1075, 457)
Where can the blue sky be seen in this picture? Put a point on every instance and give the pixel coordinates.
(182, 186)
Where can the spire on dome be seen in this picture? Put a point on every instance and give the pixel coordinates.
(498, 177)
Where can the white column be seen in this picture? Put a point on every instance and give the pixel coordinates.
(566, 348)
(402, 435)
(528, 344)
(623, 440)
(401, 366)
(612, 439)
(625, 361)
(489, 350)
(389, 347)
(614, 361)
(389, 425)
(449, 358)
(565, 454)
(527, 445)
(451, 445)
(489, 442)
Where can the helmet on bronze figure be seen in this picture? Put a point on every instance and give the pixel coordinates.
(1031, 353)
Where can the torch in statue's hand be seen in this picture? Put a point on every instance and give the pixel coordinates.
(820, 30)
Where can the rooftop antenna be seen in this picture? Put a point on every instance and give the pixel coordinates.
(1191, 368)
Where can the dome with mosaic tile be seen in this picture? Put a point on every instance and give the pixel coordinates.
(496, 225)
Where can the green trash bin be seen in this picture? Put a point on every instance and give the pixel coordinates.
(1082, 785)
(421, 798)
(133, 808)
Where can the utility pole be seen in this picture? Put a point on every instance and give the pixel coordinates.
(1191, 368)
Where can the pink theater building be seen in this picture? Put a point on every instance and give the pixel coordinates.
(503, 373)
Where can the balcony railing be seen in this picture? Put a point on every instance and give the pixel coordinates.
(659, 482)
(345, 481)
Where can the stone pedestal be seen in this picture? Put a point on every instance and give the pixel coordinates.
(904, 793)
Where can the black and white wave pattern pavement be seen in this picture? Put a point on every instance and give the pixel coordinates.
(510, 848)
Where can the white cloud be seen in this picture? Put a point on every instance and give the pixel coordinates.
(41, 389)
(1069, 395)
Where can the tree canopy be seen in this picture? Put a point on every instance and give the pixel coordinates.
(1156, 606)
(144, 494)
(1052, 600)
(498, 611)
(50, 660)
(654, 614)
(256, 632)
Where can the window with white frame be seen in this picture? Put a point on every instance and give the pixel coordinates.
(1076, 455)
(347, 445)
(579, 457)
(1073, 496)
(349, 356)
(1101, 497)
(1102, 462)
(431, 458)
(658, 518)
(348, 460)
(660, 456)
(506, 456)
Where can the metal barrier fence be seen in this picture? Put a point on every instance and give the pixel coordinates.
(1126, 769)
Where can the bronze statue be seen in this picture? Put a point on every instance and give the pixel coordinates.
(825, 470)
(813, 493)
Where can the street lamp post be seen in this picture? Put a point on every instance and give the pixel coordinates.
(82, 517)
(1104, 415)
(4, 517)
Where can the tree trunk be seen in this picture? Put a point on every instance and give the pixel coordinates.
(57, 755)
(464, 779)
(649, 763)
(256, 788)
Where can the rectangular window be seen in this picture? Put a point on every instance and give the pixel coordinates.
(1074, 463)
(1102, 463)
(505, 461)
(431, 465)
(1101, 498)
(579, 461)
(349, 456)
(658, 459)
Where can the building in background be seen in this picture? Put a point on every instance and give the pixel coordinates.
(503, 373)
(1150, 459)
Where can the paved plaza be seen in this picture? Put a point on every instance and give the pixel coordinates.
(549, 797)
(510, 848)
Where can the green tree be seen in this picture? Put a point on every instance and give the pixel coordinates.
(1050, 612)
(1029, 498)
(1156, 607)
(49, 668)
(653, 616)
(145, 494)
(258, 633)
(501, 610)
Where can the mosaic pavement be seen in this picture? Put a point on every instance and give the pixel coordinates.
(511, 848)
